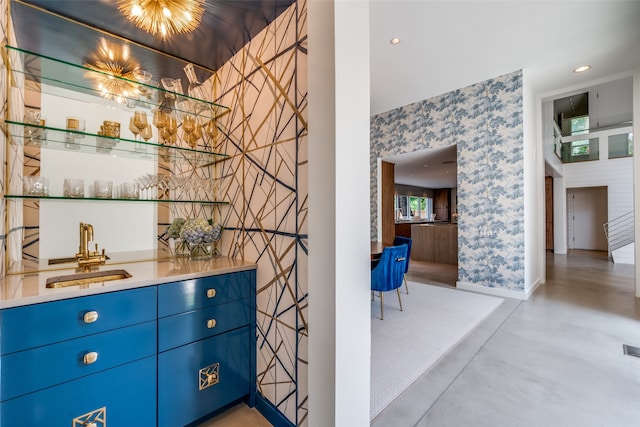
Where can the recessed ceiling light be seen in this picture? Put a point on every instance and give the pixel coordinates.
(394, 40)
(582, 69)
(426, 166)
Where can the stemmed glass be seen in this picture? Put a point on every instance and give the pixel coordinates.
(188, 126)
(146, 133)
(195, 135)
(140, 120)
(133, 128)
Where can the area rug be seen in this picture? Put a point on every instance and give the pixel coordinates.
(407, 343)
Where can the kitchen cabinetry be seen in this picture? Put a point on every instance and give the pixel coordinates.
(164, 355)
(60, 152)
(441, 204)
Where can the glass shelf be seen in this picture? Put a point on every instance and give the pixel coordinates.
(49, 72)
(83, 142)
(98, 199)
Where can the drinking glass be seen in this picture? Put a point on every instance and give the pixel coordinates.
(133, 128)
(140, 120)
(146, 133)
(188, 125)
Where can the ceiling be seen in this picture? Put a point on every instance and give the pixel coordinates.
(447, 45)
(226, 26)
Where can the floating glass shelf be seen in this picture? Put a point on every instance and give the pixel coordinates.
(49, 72)
(102, 199)
(84, 142)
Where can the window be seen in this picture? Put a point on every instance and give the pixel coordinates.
(579, 125)
(407, 207)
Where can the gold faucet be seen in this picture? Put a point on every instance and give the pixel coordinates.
(85, 257)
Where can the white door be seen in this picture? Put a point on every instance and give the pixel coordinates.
(587, 212)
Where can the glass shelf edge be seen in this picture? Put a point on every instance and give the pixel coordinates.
(59, 61)
(113, 199)
(150, 144)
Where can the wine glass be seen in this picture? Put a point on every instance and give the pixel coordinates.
(195, 136)
(159, 118)
(188, 125)
(210, 128)
(146, 133)
(140, 120)
(133, 128)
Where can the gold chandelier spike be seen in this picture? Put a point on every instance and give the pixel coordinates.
(164, 17)
(115, 68)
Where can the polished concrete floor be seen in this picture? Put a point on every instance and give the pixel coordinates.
(553, 360)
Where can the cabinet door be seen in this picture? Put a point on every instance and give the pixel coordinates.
(197, 379)
(126, 395)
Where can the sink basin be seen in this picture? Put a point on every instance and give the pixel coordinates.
(86, 278)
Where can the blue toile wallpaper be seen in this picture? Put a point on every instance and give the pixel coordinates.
(485, 121)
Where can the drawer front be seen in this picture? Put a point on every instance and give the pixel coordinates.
(195, 325)
(30, 370)
(36, 325)
(128, 394)
(188, 295)
(182, 373)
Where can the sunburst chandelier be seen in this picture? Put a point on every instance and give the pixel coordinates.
(113, 71)
(164, 17)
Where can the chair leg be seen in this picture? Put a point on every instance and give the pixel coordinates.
(381, 305)
(371, 295)
(399, 300)
(406, 287)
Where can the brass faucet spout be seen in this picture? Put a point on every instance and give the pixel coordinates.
(85, 257)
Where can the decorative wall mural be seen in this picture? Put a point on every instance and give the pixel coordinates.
(265, 179)
(485, 121)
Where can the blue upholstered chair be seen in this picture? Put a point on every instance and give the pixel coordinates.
(388, 274)
(400, 240)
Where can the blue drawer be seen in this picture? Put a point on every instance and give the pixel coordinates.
(128, 393)
(31, 326)
(185, 328)
(30, 370)
(188, 295)
(182, 372)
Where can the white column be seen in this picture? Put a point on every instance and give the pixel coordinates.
(339, 266)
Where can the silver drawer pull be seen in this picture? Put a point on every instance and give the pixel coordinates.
(90, 357)
(211, 293)
(90, 316)
(211, 323)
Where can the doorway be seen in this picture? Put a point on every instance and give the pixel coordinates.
(587, 212)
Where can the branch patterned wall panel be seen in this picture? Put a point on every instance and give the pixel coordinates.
(265, 134)
(485, 121)
(4, 4)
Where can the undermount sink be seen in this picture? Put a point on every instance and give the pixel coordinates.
(86, 278)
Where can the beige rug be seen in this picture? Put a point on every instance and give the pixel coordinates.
(407, 343)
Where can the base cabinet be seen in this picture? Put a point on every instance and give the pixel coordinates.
(122, 396)
(163, 355)
(206, 374)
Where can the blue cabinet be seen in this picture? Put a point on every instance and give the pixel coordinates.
(164, 355)
(206, 345)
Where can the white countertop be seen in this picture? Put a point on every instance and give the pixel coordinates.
(24, 289)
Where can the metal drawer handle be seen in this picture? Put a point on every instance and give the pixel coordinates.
(211, 293)
(90, 316)
(211, 323)
(90, 357)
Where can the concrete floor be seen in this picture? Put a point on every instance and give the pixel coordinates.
(553, 360)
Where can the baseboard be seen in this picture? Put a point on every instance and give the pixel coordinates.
(498, 292)
(271, 413)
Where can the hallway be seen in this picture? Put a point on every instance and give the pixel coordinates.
(553, 360)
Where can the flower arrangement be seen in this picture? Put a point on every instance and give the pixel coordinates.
(195, 236)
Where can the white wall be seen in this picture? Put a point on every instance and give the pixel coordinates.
(339, 265)
(534, 220)
(118, 226)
